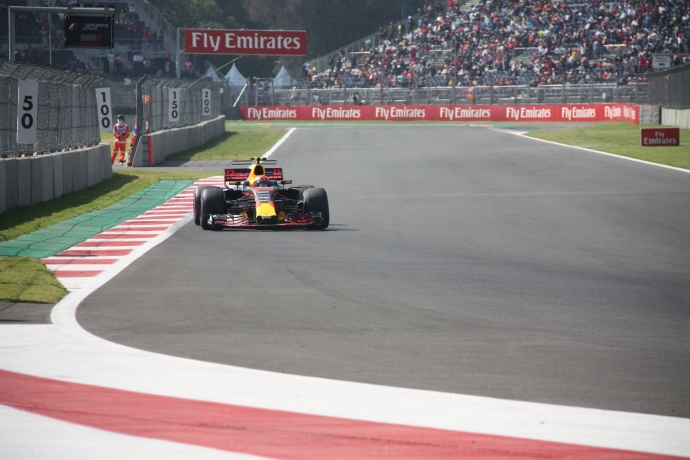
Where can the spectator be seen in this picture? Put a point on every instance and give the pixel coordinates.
(118, 64)
(506, 42)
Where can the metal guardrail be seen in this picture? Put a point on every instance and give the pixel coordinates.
(67, 116)
(266, 95)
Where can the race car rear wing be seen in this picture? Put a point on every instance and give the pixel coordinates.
(241, 174)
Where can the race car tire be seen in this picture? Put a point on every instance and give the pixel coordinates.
(316, 200)
(301, 189)
(212, 201)
(197, 202)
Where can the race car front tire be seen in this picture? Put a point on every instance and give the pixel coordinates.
(212, 202)
(197, 202)
(316, 200)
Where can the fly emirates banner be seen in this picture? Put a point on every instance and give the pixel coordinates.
(254, 42)
(583, 112)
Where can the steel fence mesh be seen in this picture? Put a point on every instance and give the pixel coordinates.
(266, 95)
(66, 115)
(190, 102)
(671, 88)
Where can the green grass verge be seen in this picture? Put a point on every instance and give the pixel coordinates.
(240, 143)
(234, 145)
(22, 220)
(621, 139)
(23, 279)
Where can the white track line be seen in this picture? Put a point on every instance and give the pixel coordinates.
(31, 436)
(594, 151)
(279, 143)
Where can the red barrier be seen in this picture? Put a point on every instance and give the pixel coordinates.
(505, 113)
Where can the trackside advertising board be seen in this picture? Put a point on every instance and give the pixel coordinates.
(253, 42)
(584, 112)
(659, 137)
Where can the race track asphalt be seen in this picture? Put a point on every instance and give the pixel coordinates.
(458, 259)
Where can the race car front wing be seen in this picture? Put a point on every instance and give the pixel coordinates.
(244, 220)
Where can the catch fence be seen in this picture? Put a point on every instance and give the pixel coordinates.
(177, 103)
(265, 94)
(671, 88)
(67, 116)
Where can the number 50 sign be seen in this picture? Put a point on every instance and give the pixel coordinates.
(27, 112)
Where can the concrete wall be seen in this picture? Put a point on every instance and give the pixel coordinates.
(675, 117)
(650, 115)
(164, 143)
(32, 180)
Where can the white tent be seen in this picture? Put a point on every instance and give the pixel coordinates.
(284, 79)
(212, 73)
(234, 77)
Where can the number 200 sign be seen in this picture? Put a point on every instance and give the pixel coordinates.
(174, 104)
(105, 111)
(27, 112)
(206, 102)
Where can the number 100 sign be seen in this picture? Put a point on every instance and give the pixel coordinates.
(105, 112)
(27, 112)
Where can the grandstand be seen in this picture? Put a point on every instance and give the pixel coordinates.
(513, 43)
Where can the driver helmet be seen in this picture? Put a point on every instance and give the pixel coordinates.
(261, 181)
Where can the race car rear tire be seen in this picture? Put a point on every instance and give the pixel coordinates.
(197, 202)
(212, 201)
(316, 200)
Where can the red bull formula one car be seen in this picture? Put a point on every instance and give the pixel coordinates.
(259, 197)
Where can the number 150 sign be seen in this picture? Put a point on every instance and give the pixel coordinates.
(27, 112)
(174, 104)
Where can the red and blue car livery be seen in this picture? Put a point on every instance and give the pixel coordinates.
(257, 196)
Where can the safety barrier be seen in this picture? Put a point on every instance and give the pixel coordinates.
(177, 103)
(267, 95)
(669, 88)
(674, 117)
(35, 179)
(60, 111)
(155, 147)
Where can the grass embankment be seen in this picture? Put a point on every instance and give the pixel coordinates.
(23, 279)
(241, 143)
(233, 145)
(622, 139)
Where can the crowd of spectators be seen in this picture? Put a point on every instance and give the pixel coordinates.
(523, 42)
